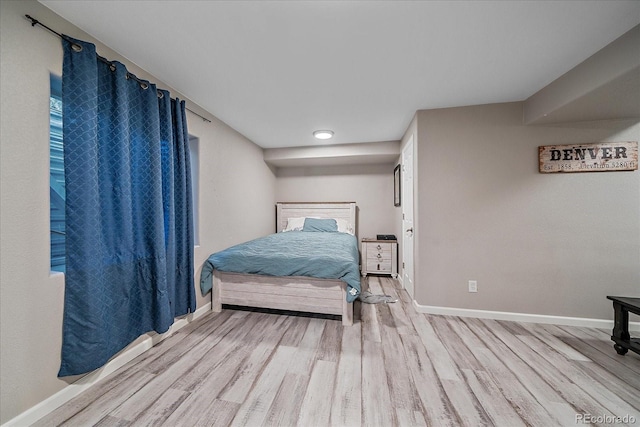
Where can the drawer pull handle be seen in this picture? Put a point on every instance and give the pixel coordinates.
(379, 247)
(379, 256)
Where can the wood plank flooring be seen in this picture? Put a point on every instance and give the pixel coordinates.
(393, 367)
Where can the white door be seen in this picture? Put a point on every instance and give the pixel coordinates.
(407, 217)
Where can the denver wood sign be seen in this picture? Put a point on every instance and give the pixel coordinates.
(600, 157)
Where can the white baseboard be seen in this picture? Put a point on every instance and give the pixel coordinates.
(48, 405)
(522, 317)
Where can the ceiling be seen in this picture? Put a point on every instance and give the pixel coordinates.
(276, 71)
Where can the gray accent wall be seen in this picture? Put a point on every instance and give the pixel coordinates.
(370, 186)
(236, 195)
(550, 244)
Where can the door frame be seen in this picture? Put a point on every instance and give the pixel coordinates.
(406, 186)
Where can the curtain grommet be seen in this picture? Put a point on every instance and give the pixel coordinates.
(76, 47)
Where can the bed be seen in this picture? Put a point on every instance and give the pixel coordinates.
(230, 284)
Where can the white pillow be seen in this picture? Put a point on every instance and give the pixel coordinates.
(297, 224)
(294, 224)
(344, 226)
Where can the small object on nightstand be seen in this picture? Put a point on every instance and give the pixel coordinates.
(386, 236)
(379, 256)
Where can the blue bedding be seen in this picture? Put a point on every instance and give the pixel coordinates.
(294, 253)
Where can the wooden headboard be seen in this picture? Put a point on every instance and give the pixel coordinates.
(337, 210)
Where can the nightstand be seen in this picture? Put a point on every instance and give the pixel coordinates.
(379, 257)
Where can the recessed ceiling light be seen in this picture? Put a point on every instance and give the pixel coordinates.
(323, 134)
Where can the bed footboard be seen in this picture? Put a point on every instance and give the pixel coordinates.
(297, 293)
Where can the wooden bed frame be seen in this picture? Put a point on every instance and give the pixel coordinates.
(295, 293)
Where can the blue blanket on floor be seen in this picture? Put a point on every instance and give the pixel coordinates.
(325, 255)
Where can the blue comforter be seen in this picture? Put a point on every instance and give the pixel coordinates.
(294, 253)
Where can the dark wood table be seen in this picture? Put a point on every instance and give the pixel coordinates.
(621, 308)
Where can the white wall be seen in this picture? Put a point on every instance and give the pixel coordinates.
(551, 244)
(370, 186)
(237, 195)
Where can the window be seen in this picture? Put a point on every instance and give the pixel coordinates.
(56, 176)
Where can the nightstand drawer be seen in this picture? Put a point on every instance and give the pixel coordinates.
(382, 267)
(380, 247)
(379, 255)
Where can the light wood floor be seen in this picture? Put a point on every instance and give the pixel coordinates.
(393, 367)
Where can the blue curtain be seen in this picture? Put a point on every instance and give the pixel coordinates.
(128, 209)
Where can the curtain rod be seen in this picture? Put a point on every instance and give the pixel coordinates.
(76, 46)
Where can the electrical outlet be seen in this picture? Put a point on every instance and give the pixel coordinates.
(473, 286)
